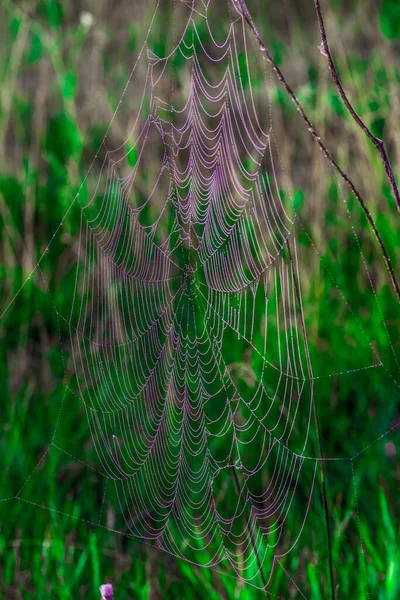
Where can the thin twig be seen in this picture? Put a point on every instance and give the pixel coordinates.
(243, 10)
(378, 143)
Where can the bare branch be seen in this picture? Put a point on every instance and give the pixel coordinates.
(243, 10)
(378, 143)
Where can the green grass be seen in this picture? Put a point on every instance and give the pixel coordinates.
(60, 531)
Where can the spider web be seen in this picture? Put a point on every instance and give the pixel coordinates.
(185, 242)
(162, 294)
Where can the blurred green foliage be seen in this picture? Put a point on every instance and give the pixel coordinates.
(390, 19)
(61, 80)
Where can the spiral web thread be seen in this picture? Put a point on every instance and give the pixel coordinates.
(168, 280)
(162, 296)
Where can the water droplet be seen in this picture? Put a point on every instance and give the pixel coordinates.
(322, 49)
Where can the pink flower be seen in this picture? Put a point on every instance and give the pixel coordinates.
(106, 591)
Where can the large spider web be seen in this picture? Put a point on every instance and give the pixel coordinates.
(176, 263)
(165, 291)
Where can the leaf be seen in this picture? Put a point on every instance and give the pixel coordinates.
(298, 200)
(80, 566)
(131, 155)
(36, 49)
(94, 551)
(14, 26)
(391, 581)
(243, 70)
(314, 582)
(54, 12)
(69, 85)
(64, 139)
(386, 518)
(389, 19)
(133, 35)
(12, 193)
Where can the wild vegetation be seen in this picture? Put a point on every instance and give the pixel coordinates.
(64, 68)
